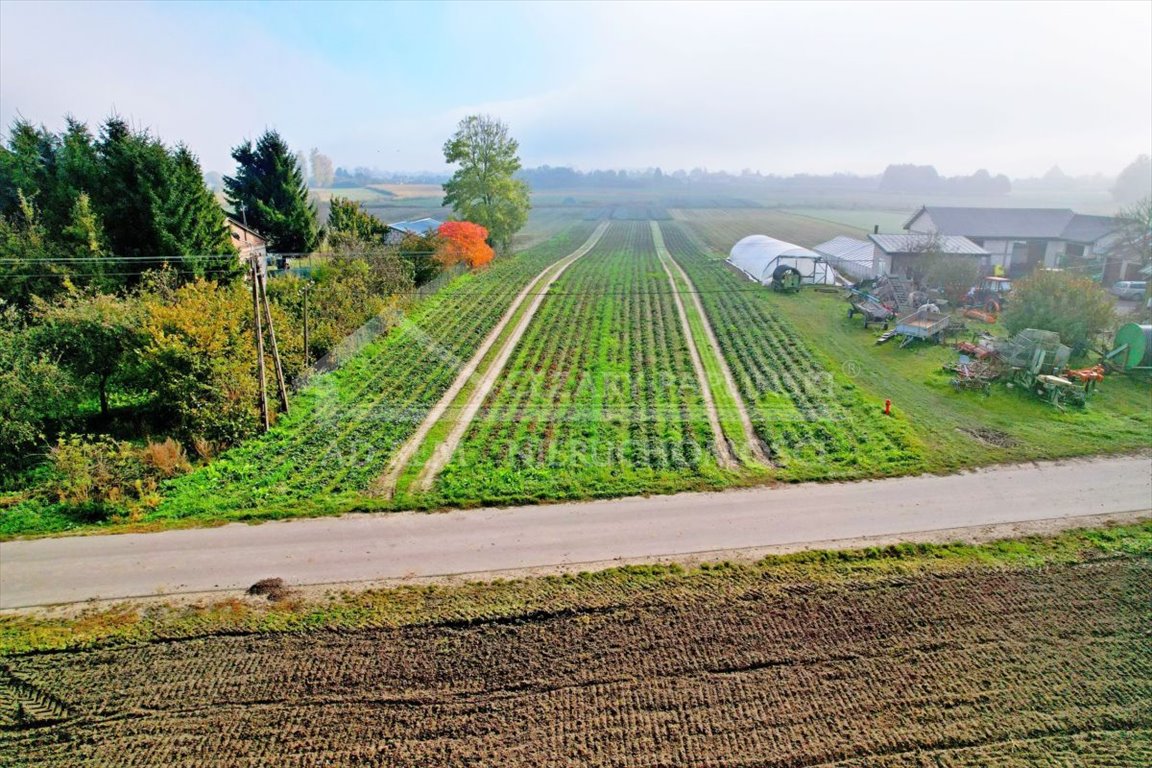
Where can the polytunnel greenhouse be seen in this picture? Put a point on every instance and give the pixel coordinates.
(758, 256)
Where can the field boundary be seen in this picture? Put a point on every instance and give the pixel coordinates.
(750, 437)
(724, 452)
(386, 484)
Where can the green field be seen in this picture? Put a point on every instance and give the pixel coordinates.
(600, 397)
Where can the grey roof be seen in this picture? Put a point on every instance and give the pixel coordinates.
(1016, 223)
(917, 243)
(1088, 229)
(847, 248)
(416, 226)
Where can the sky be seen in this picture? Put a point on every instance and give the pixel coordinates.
(774, 87)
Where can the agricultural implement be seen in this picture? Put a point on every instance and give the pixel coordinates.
(1038, 361)
(786, 279)
(1132, 350)
(973, 374)
(926, 323)
(870, 307)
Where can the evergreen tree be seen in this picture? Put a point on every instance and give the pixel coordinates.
(270, 191)
(134, 169)
(191, 221)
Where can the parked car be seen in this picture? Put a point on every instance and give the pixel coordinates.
(1130, 290)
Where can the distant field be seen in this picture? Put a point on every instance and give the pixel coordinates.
(356, 194)
(406, 191)
(889, 221)
(720, 229)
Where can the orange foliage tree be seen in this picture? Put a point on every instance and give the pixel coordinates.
(463, 241)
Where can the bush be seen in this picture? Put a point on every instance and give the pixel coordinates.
(97, 475)
(1074, 307)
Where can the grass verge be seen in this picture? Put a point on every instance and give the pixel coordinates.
(478, 602)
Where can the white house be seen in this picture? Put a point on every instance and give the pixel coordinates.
(1021, 239)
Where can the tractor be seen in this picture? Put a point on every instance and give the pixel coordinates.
(990, 295)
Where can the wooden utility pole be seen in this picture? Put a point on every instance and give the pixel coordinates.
(281, 385)
(259, 342)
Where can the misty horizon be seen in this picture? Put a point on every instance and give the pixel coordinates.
(781, 89)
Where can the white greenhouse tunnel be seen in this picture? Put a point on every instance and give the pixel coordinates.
(758, 256)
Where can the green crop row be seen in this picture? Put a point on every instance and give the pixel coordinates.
(599, 398)
(812, 419)
(345, 426)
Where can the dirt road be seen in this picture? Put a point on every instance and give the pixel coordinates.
(360, 548)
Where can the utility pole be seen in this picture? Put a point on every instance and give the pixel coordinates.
(281, 386)
(259, 342)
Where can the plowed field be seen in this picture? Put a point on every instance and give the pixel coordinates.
(995, 666)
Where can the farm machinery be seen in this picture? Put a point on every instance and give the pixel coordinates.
(786, 279)
(989, 296)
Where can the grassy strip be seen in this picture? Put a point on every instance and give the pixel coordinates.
(505, 599)
(727, 409)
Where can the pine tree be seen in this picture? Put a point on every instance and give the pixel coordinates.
(191, 221)
(269, 190)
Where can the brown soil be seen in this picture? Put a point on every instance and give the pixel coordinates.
(999, 667)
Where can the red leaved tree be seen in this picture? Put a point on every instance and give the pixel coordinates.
(463, 241)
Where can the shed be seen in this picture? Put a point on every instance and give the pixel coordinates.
(903, 254)
(759, 255)
(399, 229)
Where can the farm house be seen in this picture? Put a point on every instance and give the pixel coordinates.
(758, 256)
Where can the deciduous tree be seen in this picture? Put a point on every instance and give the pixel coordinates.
(463, 241)
(483, 189)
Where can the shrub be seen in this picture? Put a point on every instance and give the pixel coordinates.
(97, 475)
(168, 458)
(1074, 307)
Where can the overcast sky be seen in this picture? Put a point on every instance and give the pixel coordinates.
(775, 87)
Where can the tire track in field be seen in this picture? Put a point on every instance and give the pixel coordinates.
(724, 454)
(750, 437)
(386, 484)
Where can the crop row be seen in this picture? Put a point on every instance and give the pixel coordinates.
(599, 397)
(345, 425)
(812, 422)
(976, 667)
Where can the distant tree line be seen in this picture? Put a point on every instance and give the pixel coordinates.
(925, 180)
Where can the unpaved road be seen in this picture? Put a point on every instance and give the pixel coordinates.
(750, 438)
(359, 548)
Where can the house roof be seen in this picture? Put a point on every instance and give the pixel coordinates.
(1088, 229)
(237, 223)
(917, 243)
(416, 226)
(1016, 223)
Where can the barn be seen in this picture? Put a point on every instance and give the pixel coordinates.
(759, 255)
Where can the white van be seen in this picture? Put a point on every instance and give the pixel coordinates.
(1129, 290)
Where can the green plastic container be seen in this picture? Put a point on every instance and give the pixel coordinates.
(1139, 341)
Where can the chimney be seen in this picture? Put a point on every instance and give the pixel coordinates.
(875, 229)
